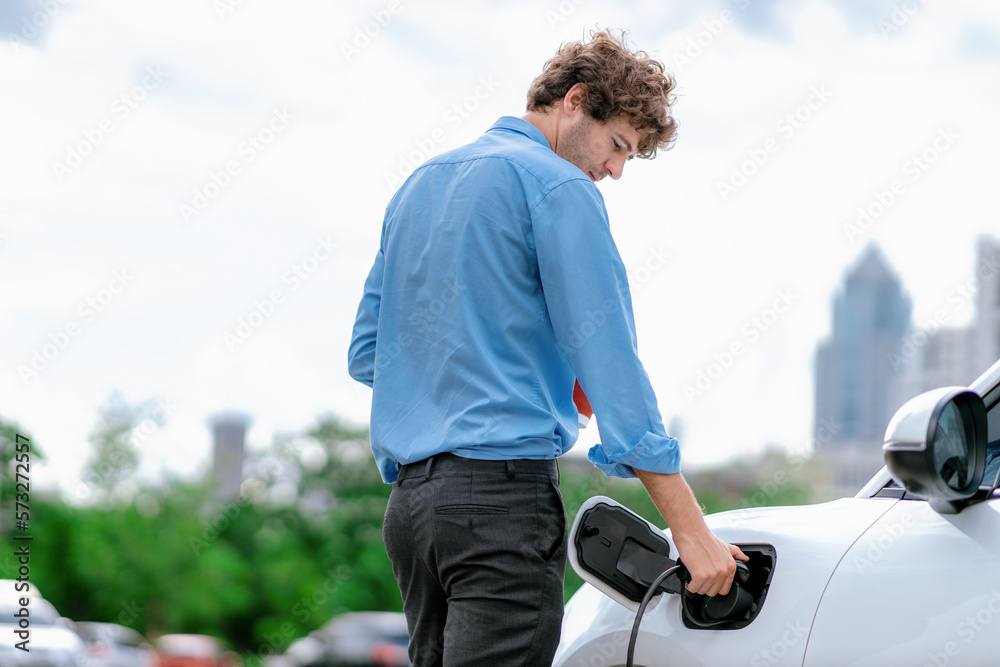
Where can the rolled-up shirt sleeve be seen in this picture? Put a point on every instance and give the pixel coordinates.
(586, 292)
(361, 353)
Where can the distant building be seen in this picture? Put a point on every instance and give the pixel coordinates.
(871, 315)
(987, 276)
(933, 355)
(876, 360)
(229, 431)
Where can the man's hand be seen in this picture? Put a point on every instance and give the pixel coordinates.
(709, 560)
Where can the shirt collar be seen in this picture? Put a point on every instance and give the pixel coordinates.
(521, 126)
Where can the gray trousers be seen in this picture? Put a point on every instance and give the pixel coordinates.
(479, 552)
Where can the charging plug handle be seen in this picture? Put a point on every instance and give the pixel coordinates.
(738, 604)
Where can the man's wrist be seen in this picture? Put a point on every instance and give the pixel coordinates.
(675, 501)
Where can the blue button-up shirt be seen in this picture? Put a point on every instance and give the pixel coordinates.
(496, 284)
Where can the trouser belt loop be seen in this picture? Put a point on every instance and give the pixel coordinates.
(510, 469)
(427, 470)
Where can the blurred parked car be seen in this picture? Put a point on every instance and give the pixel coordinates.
(279, 661)
(51, 643)
(194, 651)
(363, 639)
(113, 645)
(305, 651)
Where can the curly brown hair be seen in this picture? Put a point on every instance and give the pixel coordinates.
(618, 81)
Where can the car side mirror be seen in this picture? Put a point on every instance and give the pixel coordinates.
(935, 447)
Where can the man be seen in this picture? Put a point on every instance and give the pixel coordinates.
(496, 284)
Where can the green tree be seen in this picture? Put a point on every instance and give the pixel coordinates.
(115, 458)
(319, 548)
(9, 442)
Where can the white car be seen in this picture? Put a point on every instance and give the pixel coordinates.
(113, 645)
(51, 643)
(904, 574)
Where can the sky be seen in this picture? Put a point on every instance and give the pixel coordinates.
(192, 195)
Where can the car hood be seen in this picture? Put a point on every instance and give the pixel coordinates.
(809, 542)
(832, 523)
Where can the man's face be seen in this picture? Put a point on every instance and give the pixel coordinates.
(598, 149)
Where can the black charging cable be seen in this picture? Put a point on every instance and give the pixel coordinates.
(650, 592)
(737, 603)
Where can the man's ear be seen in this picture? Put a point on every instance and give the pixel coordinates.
(572, 102)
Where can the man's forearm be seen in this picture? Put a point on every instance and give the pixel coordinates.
(675, 500)
(707, 558)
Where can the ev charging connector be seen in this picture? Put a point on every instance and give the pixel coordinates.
(623, 554)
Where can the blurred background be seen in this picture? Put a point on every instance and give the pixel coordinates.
(192, 194)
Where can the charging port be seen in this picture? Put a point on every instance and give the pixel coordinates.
(622, 554)
(740, 607)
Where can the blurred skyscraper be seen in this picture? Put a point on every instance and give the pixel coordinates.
(229, 433)
(854, 375)
(871, 316)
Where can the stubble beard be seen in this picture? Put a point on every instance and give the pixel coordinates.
(573, 147)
